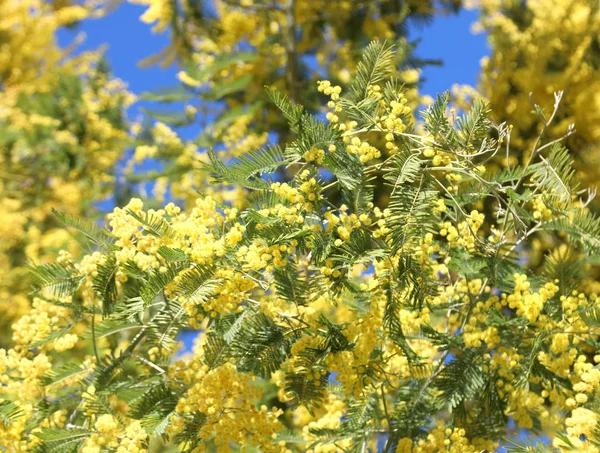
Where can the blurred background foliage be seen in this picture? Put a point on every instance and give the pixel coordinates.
(62, 131)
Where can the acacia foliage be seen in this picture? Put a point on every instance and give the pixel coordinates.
(417, 326)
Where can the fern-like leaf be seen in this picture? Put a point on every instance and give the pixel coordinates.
(293, 113)
(60, 280)
(196, 285)
(63, 373)
(582, 228)
(9, 412)
(60, 440)
(105, 284)
(88, 228)
(153, 224)
(375, 65)
(555, 173)
(248, 168)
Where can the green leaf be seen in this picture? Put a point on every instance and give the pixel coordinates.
(582, 228)
(554, 175)
(438, 125)
(567, 267)
(159, 398)
(411, 207)
(221, 62)
(590, 315)
(167, 94)
(404, 167)
(346, 167)
(105, 284)
(175, 118)
(173, 255)
(63, 373)
(465, 264)
(301, 389)
(461, 379)
(60, 440)
(9, 412)
(226, 88)
(475, 125)
(292, 112)
(166, 324)
(108, 327)
(61, 280)
(360, 412)
(260, 346)
(158, 280)
(248, 168)
(153, 224)
(216, 350)
(375, 65)
(196, 285)
(88, 228)
(54, 335)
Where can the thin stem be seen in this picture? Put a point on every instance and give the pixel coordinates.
(93, 326)
(149, 363)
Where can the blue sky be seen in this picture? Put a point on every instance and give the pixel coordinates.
(447, 38)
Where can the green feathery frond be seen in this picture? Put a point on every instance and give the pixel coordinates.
(346, 167)
(359, 414)
(166, 325)
(590, 315)
(172, 255)
(566, 267)
(555, 173)
(461, 379)
(316, 134)
(216, 350)
(260, 345)
(411, 213)
(60, 280)
(582, 228)
(110, 326)
(65, 372)
(104, 283)
(306, 384)
(248, 168)
(291, 285)
(88, 228)
(292, 112)
(437, 123)
(9, 412)
(55, 335)
(157, 281)
(474, 126)
(189, 438)
(529, 446)
(153, 224)
(197, 284)
(404, 167)
(159, 398)
(374, 67)
(360, 199)
(61, 440)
